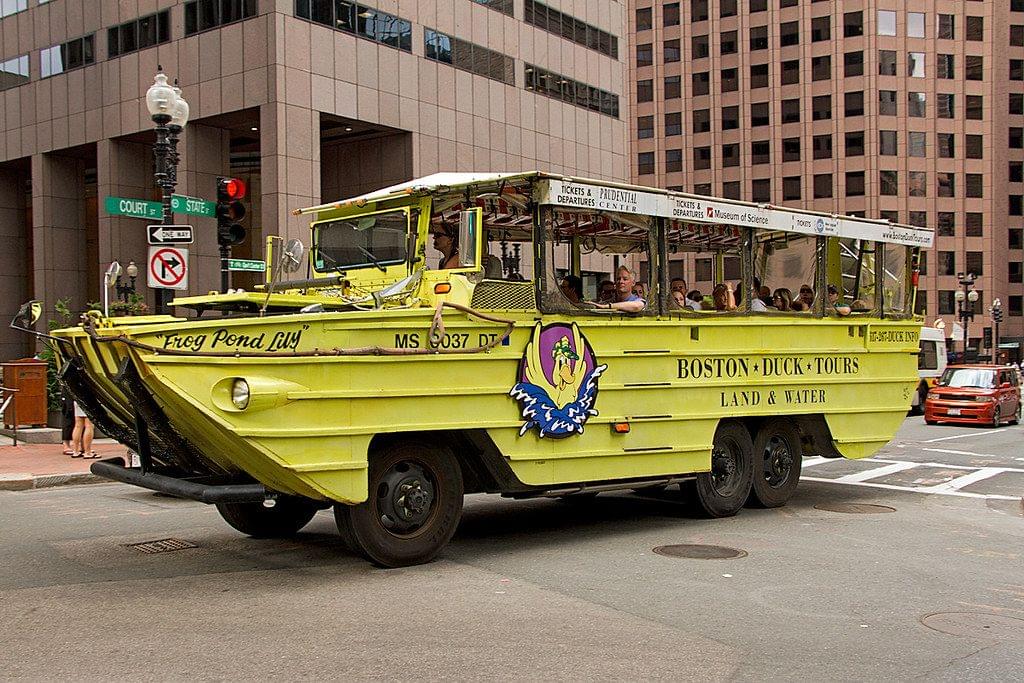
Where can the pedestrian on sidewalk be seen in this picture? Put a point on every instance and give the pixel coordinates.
(82, 436)
(67, 420)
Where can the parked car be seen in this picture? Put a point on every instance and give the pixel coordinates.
(987, 394)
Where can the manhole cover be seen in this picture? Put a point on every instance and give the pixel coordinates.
(976, 625)
(700, 552)
(164, 545)
(855, 508)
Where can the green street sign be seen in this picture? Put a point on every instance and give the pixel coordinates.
(134, 208)
(246, 264)
(195, 206)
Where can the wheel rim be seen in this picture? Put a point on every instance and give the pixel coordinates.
(777, 461)
(726, 472)
(406, 498)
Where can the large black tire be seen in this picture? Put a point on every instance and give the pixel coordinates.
(288, 515)
(777, 460)
(413, 508)
(1016, 415)
(723, 491)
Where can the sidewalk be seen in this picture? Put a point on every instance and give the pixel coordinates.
(31, 466)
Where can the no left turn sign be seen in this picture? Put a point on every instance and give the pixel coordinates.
(168, 268)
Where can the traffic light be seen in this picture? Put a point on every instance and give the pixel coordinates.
(997, 314)
(229, 211)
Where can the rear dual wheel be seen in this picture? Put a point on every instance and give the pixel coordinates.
(723, 491)
(413, 508)
(777, 461)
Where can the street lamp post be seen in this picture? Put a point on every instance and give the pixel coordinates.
(169, 112)
(965, 298)
(125, 291)
(996, 309)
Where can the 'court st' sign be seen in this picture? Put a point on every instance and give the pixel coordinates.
(133, 208)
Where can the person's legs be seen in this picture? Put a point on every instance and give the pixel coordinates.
(87, 437)
(76, 436)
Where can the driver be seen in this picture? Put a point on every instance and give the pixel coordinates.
(446, 241)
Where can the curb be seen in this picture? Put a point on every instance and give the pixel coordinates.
(27, 482)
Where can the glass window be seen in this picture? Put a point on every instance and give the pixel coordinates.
(947, 303)
(761, 190)
(946, 29)
(821, 68)
(730, 118)
(1017, 69)
(853, 24)
(946, 185)
(701, 83)
(973, 107)
(887, 183)
(854, 103)
(945, 145)
(759, 114)
(644, 55)
(853, 64)
(758, 76)
(972, 224)
(645, 127)
(944, 105)
(822, 185)
(789, 33)
(1016, 103)
(944, 66)
(730, 80)
(1017, 35)
(916, 104)
(821, 29)
(975, 261)
(918, 218)
(887, 143)
(202, 15)
(673, 124)
(701, 120)
(973, 187)
(915, 64)
(917, 143)
(791, 111)
(701, 158)
(698, 10)
(915, 24)
(8, 7)
(731, 154)
(728, 43)
(886, 23)
(1017, 171)
(758, 38)
(945, 224)
(700, 46)
(855, 183)
(791, 149)
(761, 5)
(975, 29)
(790, 71)
(822, 146)
(886, 62)
(644, 19)
(674, 159)
(670, 14)
(917, 183)
(791, 188)
(974, 67)
(673, 87)
(731, 189)
(760, 152)
(973, 146)
(821, 107)
(645, 163)
(644, 90)
(14, 72)
(727, 8)
(671, 51)
(66, 56)
(887, 102)
(855, 143)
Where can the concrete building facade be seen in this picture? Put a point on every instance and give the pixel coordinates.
(307, 100)
(906, 110)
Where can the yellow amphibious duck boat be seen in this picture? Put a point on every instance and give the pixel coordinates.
(389, 389)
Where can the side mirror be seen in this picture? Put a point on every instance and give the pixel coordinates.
(1005, 385)
(27, 315)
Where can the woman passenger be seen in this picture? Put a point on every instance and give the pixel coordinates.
(782, 299)
(723, 297)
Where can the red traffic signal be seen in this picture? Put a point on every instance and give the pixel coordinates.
(230, 188)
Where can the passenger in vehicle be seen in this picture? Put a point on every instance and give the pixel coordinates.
(677, 284)
(723, 297)
(572, 288)
(782, 299)
(860, 306)
(798, 306)
(765, 295)
(807, 296)
(446, 241)
(625, 299)
(606, 291)
(493, 269)
(756, 305)
(678, 300)
(835, 303)
(694, 300)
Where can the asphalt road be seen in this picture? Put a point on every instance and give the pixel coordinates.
(932, 590)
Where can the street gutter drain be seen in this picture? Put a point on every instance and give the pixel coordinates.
(976, 625)
(164, 545)
(700, 552)
(855, 508)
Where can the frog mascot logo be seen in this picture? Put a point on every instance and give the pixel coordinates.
(557, 381)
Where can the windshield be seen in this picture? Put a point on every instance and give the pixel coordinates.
(375, 241)
(971, 378)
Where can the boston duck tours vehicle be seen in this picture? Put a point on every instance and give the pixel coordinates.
(388, 388)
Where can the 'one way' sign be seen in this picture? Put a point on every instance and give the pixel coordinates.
(169, 234)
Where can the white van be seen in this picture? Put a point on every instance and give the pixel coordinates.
(931, 363)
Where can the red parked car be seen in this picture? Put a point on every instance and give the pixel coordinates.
(987, 394)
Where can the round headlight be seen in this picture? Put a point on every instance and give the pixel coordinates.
(240, 394)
